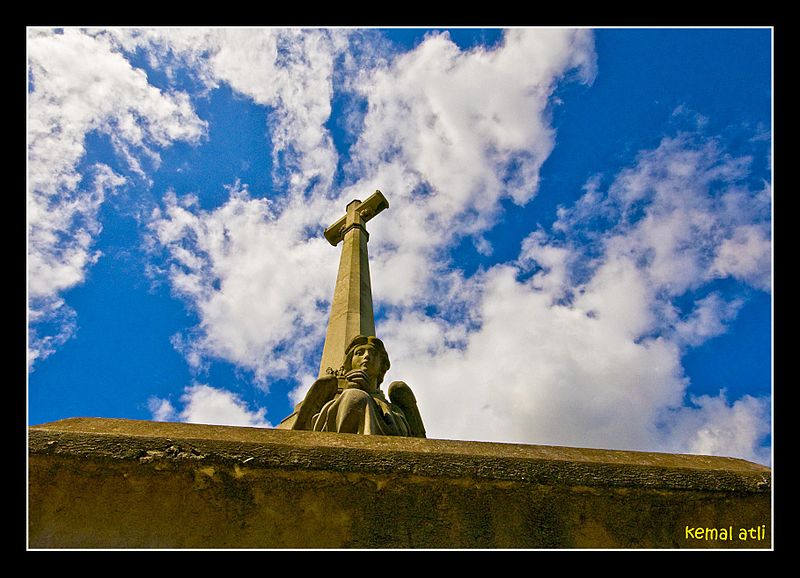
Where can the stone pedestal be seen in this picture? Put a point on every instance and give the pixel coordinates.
(110, 483)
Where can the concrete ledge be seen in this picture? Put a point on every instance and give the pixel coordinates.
(111, 483)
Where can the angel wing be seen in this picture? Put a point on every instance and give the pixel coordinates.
(320, 393)
(402, 396)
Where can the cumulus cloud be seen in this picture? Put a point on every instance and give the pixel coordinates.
(580, 342)
(205, 404)
(714, 426)
(577, 342)
(580, 339)
(696, 209)
(744, 255)
(81, 84)
(260, 285)
(707, 319)
(536, 371)
(450, 146)
(161, 409)
(288, 70)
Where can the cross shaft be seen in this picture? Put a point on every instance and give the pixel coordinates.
(351, 307)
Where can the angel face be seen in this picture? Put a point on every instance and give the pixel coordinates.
(368, 359)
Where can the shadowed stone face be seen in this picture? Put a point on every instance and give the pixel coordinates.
(367, 359)
(366, 355)
(365, 364)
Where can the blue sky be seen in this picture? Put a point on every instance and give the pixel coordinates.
(577, 250)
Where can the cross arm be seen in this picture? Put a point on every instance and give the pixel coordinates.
(372, 206)
(358, 213)
(334, 232)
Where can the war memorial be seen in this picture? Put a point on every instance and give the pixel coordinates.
(352, 467)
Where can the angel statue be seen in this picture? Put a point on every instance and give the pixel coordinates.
(350, 400)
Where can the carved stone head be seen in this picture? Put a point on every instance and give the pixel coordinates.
(369, 348)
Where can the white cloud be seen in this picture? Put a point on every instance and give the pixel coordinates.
(746, 255)
(289, 70)
(716, 427)
(208, 405)
(258, 283)
(580, 343)
(707, 319)
(696, 210)
(447, 146)
(161, 409)
(246, 267)
(486, 131)
(80, 84)
(60, 238)
(535, 371)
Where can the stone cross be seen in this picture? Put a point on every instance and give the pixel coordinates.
(351, 309)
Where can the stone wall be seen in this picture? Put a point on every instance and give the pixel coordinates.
(110, 483)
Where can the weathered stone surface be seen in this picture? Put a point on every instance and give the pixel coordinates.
(108, 483)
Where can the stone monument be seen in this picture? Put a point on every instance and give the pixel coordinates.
(347, 397)
(118, 483)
